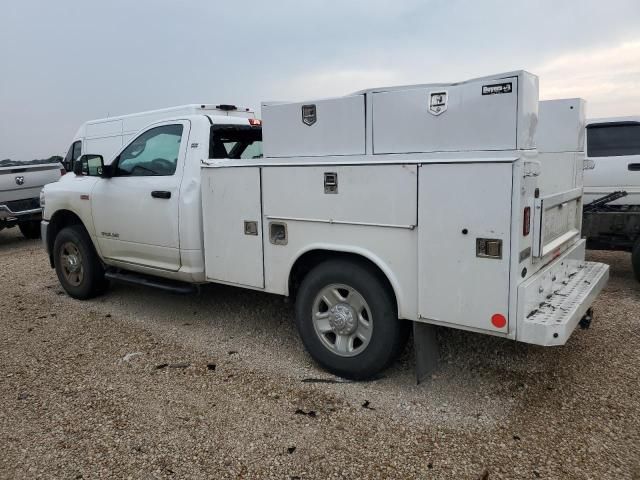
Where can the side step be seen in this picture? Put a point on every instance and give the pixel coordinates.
(172, 286)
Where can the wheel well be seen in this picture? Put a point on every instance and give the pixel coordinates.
(309, 260)
(59, 220)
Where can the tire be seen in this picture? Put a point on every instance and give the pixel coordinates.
(30, 229)
(337, 297)
(635, 259)
(77, 265)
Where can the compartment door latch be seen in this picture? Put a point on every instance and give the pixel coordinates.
(330, 182)
(489, 248)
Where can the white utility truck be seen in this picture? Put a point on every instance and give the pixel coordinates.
(612, 186)
(418, 203)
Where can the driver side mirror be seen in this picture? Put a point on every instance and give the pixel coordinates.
(91, 166)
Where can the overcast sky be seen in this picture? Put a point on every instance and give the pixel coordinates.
(66, 61)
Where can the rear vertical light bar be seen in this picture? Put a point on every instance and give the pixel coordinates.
(526, 221)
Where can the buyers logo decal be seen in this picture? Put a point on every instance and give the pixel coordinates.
(20, 180)
(438, 102)
(309, 116)
(497, 88)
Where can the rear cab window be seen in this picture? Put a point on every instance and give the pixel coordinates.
(235, 142)
(613, 139)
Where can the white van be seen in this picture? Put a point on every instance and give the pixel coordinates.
(106, 136)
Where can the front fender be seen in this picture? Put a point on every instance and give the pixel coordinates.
(72, 193)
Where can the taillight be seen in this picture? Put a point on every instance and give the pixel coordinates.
(62, 172)
(526, 221)
(255, 122)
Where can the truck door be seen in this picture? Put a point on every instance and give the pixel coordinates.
(614, 148)
(135, 212)
(464, 240)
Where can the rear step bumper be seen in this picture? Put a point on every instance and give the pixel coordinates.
(553, 321)
(132, 278)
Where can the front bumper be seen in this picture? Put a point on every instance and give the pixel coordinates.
(7, 214)
(554, 300)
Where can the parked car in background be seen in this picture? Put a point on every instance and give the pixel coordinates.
(20, 186)
(612, 186)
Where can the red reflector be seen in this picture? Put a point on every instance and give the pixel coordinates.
(498, 320)
(255, 122)
(526, 221)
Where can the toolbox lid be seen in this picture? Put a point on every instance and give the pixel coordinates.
(494, 113)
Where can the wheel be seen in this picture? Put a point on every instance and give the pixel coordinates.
(77, 264)
(347, 320)
(30, 229)
(635, 259)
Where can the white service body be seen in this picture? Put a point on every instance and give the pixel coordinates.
(429, 183)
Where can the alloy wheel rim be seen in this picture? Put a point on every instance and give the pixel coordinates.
(342, 320)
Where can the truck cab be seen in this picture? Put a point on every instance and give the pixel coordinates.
(613, 148)
(144, 212)
(612, 186)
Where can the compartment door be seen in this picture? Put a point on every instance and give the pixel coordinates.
(232, 222)
(464, 280)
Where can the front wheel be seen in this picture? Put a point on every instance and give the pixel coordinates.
(77, 265)
(347, 319)
(30, 229)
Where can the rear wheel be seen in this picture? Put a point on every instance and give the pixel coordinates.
(347, 319)
(635, 259)
(30, 229)
(77, 265)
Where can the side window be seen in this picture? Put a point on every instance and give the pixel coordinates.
(72, 155)
(613, 140)
(235, 141)
(155, 152)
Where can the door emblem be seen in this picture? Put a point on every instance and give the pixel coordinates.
(309, 116)
(438, 102)
(20, 180)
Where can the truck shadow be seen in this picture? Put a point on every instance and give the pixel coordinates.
(235, 319)
(11, 237)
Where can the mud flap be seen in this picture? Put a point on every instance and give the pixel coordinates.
(425, 344)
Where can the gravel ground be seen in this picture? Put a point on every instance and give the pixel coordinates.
(139, 384)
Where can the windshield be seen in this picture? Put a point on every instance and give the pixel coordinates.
(235, 141)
